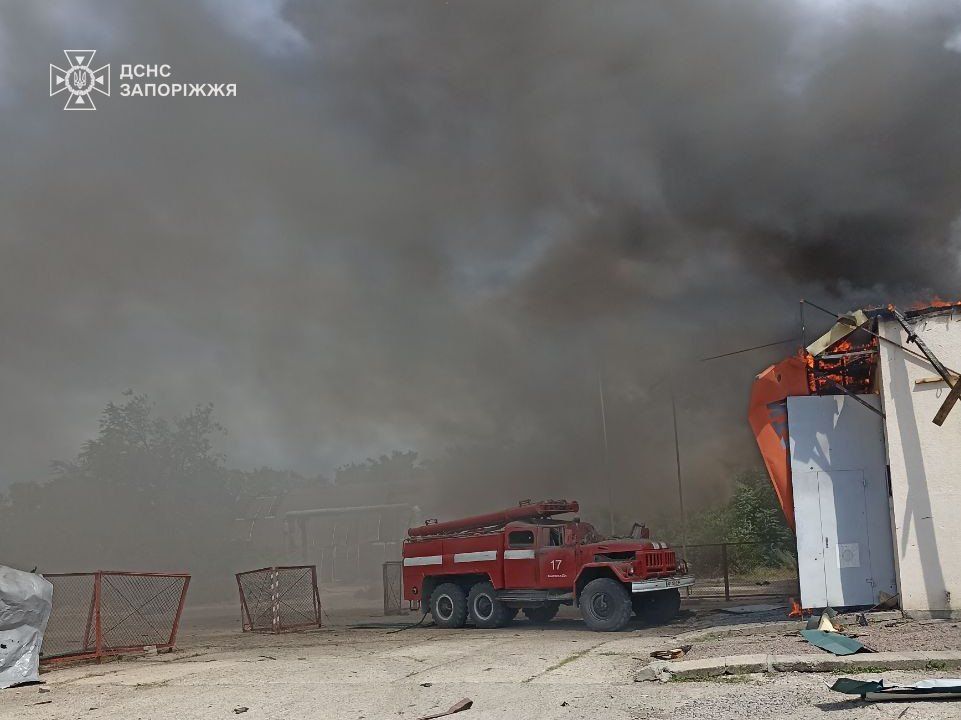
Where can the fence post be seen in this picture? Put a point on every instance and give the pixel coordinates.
(98, 629)
(180, 611)
(275, 599)
(316, 591)
(727, 573)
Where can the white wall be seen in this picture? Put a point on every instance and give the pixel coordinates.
(925, 466)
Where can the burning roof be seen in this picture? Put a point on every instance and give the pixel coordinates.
(842, 361)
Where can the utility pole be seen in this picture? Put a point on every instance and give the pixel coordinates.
(677, 462)
(803, 329)
(607, 462)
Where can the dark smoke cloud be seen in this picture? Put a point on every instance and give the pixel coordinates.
(426, 225)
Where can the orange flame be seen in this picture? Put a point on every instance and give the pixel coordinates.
(936, 301)
(797, 611)
(851, 373)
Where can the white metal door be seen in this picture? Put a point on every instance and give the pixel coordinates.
(847, 558)
(841, 511)
(810, 540)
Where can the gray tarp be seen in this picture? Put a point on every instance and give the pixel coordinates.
(25, 603)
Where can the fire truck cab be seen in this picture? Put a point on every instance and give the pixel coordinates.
(488, 568)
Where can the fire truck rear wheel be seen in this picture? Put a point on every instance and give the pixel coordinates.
(662, 607)
(486, 611)
(542, 614)
(605, 605)
(448, 606)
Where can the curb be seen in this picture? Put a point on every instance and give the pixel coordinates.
(744, 664)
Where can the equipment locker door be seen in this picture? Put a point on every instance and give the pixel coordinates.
(555, 561)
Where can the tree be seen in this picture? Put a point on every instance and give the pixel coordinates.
(145, 493)
(751, 516)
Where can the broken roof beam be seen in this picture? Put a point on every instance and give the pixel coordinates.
(847, 392)
(913, 337)
(845, 325)
(946, 375)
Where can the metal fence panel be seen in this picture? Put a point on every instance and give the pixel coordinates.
(70, 629)
(105, 613)
(278, 599)
(747, 569)
(393, 587)
(140, 610)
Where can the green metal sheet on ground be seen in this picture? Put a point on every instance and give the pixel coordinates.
(834, 642)
(934, 689)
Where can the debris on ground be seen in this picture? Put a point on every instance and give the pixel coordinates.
(931, 689)
(672, 654)
(828, 621)
(25, 603)
(457, 707)
(834, 642)
(241, 709)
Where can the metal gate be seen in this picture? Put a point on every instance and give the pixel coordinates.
(394, 587)
(103, 613)
(278, 599)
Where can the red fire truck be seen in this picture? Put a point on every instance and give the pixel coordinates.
(485, 569)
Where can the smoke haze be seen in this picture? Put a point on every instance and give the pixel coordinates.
(429, 225)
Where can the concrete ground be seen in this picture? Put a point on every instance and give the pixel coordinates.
(523, 671)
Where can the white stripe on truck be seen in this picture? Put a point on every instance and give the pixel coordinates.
(518, 554)
(424, 560)
(475, 556)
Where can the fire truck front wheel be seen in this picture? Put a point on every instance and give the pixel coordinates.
(486, 611)
(605, 605)
(448, 606)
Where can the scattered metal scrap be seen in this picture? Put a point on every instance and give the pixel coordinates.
(457, 707)
(672, 654)
(825, 633)
(932, 689)
(834, 642)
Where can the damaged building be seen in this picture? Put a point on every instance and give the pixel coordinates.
(328, 526)
(861, 444)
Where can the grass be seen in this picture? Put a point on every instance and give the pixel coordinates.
(729, 679)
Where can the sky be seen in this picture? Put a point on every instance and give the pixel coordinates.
(429, 225)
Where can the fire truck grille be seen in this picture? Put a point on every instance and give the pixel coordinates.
(659, 561)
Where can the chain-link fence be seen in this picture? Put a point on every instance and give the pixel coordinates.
(111, 613)
(393, 588)
(744, 569)
(278, 599)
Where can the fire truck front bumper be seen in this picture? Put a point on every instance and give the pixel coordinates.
(667, 583)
